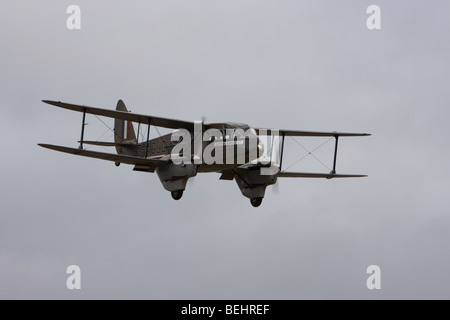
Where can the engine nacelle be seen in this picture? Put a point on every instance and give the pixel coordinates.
(174, 177)
(252, 184)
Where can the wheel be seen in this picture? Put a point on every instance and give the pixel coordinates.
(177, 194)
(117, 163)
(256, 202)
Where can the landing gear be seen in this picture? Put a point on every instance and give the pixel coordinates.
(177, 194)
(256, 202)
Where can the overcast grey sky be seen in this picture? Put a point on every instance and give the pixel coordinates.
(310, 65)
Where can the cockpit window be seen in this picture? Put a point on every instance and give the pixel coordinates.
(225, 128)
(234, 125)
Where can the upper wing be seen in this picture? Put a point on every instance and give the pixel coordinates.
(154, 121)
(106, 156)
(284, 174)
(296, 133)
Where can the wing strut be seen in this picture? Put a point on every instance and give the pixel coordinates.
(137, 138)
(335, 154)
(82, 129)
(282, 150)
(148, 136)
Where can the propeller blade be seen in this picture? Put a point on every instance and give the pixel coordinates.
(276, 188)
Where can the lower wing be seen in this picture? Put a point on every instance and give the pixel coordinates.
(317, 175)
(106, 156)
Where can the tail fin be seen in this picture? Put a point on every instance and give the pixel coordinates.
(124, 132)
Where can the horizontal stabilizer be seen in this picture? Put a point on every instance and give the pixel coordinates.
(106, 156)
(317, 175)
(108, 144)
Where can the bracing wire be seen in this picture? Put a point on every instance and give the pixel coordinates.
(309, 153)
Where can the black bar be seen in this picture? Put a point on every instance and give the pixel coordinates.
(335, 155)
(82, 129)
(282, 150)
(137, 138)
(250, 309)
(148, 136)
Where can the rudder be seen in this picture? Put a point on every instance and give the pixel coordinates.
(123, 132)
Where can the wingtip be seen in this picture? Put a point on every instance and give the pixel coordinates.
(51, 102)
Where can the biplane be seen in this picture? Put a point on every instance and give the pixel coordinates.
(234, 150)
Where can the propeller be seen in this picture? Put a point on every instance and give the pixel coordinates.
(191, 180)
(276, 188)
